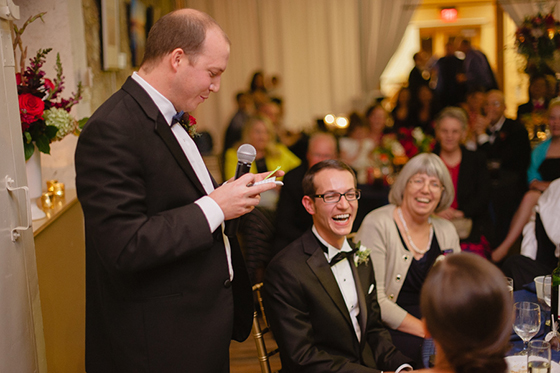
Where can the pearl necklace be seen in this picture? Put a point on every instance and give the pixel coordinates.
(414, 247)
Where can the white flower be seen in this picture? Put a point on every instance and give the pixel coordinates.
(362, 255)
(61, 119)
(418, 134)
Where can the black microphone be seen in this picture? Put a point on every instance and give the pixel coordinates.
(245, 156)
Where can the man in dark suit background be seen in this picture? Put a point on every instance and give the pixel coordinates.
(508, 152)
(166, 290)
(323, 311)
(291, 218)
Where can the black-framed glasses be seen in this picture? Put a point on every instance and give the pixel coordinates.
(334, 197)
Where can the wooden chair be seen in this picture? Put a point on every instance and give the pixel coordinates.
(259, 332)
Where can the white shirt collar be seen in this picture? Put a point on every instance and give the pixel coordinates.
(498, 126)
(165, 106)
(331, 250)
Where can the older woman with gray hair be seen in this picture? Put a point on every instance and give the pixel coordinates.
(405, 239)
(469, 174)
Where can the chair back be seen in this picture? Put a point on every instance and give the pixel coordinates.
(258, 333)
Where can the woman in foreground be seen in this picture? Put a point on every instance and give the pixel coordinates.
(467, 310)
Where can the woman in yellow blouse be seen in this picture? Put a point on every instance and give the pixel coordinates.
(259, 132)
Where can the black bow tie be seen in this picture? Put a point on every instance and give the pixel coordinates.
(341, 256)
(178, 117)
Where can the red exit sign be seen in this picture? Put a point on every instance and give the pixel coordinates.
(448, 15)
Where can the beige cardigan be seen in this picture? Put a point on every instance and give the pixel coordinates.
(390, 258)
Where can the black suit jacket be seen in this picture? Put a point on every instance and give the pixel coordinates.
(309, 318)
(527, 108)
(512, 149)
(158, 296)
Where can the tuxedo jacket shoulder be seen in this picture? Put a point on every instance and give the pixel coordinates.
(156, 276)
(309, 318)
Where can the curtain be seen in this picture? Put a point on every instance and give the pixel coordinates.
(327, 53)
(518, 10)
(383, 24)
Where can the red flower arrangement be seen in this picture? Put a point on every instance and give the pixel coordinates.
(45, 116)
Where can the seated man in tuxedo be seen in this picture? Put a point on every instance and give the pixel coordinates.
(505, 143)
(320, 291)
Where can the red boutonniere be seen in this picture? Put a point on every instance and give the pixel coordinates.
(190, 126)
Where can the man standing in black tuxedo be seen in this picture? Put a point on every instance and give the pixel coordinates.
(508, 152)
(166, 289)
(320, 291)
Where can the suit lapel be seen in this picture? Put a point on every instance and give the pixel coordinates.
(321, 268)
(361, 302)
(162, 129)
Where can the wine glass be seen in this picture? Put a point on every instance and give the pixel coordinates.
(526, 322)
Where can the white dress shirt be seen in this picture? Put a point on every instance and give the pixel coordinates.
(211, 210)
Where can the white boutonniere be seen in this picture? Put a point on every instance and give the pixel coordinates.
(362, 255)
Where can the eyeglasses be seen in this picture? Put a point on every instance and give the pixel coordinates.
(334, 197)
(419, 183)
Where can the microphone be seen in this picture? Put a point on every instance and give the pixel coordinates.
(245, 156)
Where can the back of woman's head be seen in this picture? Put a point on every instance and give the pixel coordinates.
(468, 311)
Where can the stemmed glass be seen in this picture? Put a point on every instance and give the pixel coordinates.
(526, 322)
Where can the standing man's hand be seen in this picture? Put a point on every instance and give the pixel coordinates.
(235, 198)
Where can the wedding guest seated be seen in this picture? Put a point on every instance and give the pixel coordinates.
(245, 108)
(474, 101)
(538, 99)
(423, 109)
(469, 209)
(544, 168)
(401, 111)
(376, 117)
(356, 147)
(291, 218)
(320, 290)
(541, 237)
(467, 310)
(508, 151)
(405, 239)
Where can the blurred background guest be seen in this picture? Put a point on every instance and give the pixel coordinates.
(257, 88)
(245, 108)
(423, 109)
(538, 97)
(270, 154)
(376, 118)
(476, 68)
(473, 104)
(401, 111)
(458, 289)
(418, 75)
(406, 239)
(544, 168)
(292, 220)
(505, 143)
(450, 91)
(356, 146)
(469, 209)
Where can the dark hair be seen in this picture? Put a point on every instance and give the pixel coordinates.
(467, 308)
(334, 164)
(178, 29)
(253, 86)
(374, 107)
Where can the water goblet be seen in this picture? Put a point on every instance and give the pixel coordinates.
(526, 322)
(538, 357)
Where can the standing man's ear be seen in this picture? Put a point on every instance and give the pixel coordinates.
(309, 204)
